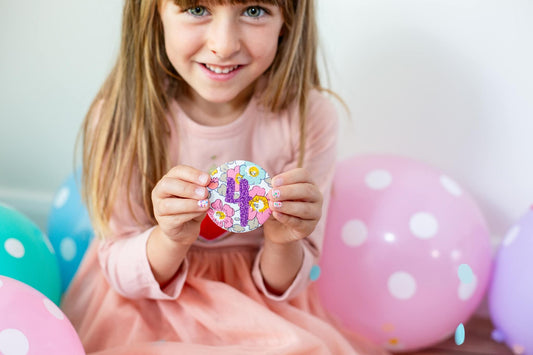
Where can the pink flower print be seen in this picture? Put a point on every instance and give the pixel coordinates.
(259, 205)
(221, 214)
(235, 175)
(213, 184)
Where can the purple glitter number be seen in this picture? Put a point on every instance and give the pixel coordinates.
(243, 200)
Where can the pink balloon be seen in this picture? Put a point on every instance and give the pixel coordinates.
(31, 324)
(407, 252)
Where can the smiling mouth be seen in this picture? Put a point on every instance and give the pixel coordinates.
(221, 70)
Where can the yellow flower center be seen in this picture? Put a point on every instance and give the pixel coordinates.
(259, 203)
(253, 171)
(238, 178)
(220, 215)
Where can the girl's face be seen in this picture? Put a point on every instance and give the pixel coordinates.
(221, 50)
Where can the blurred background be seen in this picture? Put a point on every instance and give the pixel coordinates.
(447, 82)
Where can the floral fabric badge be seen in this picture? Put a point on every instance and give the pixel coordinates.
(237, 196)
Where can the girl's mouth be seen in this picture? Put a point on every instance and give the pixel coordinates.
(221, 70)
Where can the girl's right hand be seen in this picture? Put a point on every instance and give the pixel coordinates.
(180, 204)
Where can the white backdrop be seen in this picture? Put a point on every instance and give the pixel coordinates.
(446, 82)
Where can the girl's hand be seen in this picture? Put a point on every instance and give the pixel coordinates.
(180, 204)
(296, 204)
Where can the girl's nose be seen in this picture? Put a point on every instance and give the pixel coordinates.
(224, 38)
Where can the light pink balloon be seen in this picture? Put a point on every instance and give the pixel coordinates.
(31, 324)
(397, 233)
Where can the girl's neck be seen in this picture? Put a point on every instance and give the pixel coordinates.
(209, 113)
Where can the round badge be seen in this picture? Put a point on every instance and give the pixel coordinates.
(237, 196)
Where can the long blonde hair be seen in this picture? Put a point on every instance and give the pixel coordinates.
(126, 129)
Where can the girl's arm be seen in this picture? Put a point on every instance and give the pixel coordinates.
(179, 211)
(294, 234)
(164, 256)
(297, 208)
(143, 261)
(280, 264)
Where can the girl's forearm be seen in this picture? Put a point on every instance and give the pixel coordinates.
(165, 256)
(280, 264)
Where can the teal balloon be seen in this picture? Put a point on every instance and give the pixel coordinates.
(26, 254)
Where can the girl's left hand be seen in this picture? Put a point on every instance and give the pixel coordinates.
(296, 204)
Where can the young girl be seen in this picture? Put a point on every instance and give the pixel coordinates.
(198, 84)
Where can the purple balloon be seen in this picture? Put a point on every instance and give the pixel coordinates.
(511, 289)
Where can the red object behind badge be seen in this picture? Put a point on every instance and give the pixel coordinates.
(209, 230)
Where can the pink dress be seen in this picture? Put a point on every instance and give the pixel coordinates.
(217, 303)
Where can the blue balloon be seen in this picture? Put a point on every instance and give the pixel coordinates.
(69, 228)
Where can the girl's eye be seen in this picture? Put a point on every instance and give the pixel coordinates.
(197, 11)
(254, 11)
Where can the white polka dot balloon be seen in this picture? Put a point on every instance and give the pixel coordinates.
(27, 255)
(32, 324)
(397, 232)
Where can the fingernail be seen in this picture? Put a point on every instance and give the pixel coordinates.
(277, 181)
(276, 193)
(200, 191)
(203, 203)
(203, 178)
(277, 204)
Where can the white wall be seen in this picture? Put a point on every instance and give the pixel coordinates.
(54, 56)
(448, 82)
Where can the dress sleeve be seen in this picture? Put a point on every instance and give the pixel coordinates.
(124, 261)
(319, 161)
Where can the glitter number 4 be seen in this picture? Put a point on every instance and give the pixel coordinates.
(243, 199)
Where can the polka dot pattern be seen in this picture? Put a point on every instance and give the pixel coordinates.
(402, 285)
(67, 248)
(26, 254)
(378, 179)
(423, 225)
(53, 309)
(13, 342)
(69, 227)
(511, 236)
(32, 324)
(407, 237)
(14, 248)
(354, 233)
(451, 186)
(61, 197)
